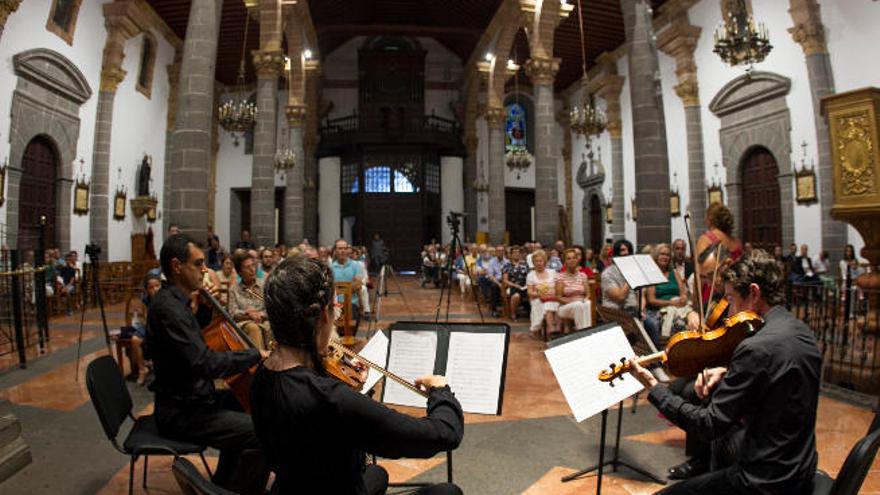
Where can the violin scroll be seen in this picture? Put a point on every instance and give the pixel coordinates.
(614, 371)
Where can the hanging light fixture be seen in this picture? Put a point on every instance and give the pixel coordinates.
(588, 120)
(517, 157)
(237, 115)
(285, 158)
(739, 40)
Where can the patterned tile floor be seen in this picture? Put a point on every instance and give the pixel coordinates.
(531, 399)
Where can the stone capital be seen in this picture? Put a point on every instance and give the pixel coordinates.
(615, 127)
(688, 90)
(296, 115)
(7, 7)
(542, 71)
(268, 63)
(111, 77)
(495, 117)
(808, 30)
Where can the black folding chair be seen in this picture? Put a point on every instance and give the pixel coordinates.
(855, 467)
(192, 482)
(113, 404)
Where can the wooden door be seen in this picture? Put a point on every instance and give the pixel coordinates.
(596, 221)
(399, 219)
(761, 209)
(37, 193)
(518, 205)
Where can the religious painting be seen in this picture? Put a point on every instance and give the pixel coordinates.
(609, 214)
(119, 206)
(716, 195)
(805, 185)
(151, 214)
(674, 204)
(81, 198)
(515, 128)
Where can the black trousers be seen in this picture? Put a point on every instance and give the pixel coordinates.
(714, 483)
(694, 447)
(376, 481)
(224, 426)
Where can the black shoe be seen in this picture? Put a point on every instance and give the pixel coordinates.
(688, 469)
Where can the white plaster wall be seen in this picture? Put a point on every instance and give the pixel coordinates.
(441, 66)
(629, 163)
(787, 59)
(233, 171)
(451, 193)
(139, 126)
(851, 34)
(676, 140)
(329, 200)
(25, 30)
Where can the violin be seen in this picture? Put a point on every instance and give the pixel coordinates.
(690, 352)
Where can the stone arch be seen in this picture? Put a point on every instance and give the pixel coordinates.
(753, 112)
(46, 102)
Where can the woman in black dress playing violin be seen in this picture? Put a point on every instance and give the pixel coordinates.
(315, 430)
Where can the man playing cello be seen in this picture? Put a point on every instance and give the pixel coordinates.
(188, 407)
(770, 387)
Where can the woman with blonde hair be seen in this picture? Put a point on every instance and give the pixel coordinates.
(541, 287)
(572, 290)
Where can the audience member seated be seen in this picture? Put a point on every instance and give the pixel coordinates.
(604, 259)
(583, 267)
(346, 270)
(69, 280)
(267, 261)
(227, 277)
(681, 263)
(214, 254)
(462, 274)
(245, 242)
(554, 263)
(667, 307)
(802, 271)
(541, 285)
(430, 268)
(573, 292)
(489, 278)
(51, 277)
(139, 308)
(616, 292)
(822, 267)
(513, 279)
(245, 300)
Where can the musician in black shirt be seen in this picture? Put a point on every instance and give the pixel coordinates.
(314, 429)
(771, 388)
(187, 405)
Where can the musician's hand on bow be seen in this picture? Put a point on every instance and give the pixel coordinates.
(642, 374)
(693, 321)
(707, 380)
(426, 383)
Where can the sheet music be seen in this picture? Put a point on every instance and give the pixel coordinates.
(474, 368)
(411, 356)
(639, 270)
(577, 364)
(376, 351)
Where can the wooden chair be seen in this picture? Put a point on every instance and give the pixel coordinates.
(345, 322)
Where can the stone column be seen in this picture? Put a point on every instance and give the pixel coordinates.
(119, 28)
(173, 84)
(187, 177)
(497, 220)
(269, 65)
(809, 32)
(542, 72)
(610, 86)
(310, 181)
(649, 125)
(294, 226)
(7, 7)
(469, 175)
(679, 40)
(562, 120)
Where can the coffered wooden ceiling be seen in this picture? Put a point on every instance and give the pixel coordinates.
(456, 24)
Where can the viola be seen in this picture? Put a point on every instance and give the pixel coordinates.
(224, 335)
(688, 353)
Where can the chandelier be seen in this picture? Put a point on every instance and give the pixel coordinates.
(588, 120)
(518, 158)
(237, 115)
(285, 158)
(738, 40)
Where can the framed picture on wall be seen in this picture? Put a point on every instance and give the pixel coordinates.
(119, 206)
(674, 204)
(805, 185)
(151, 215)
(716, 195)
(81, 198)
(609, 214)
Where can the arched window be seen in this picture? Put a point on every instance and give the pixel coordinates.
(148, 61)
(515, 127)
(62, 18)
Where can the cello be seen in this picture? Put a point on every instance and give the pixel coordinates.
(224, 335)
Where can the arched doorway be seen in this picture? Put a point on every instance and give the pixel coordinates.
(761, 209)
(39, 166)
(595, 241)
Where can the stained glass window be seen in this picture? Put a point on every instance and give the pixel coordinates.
(515, 127)
(377, 179)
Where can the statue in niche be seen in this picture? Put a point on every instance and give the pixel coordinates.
(143, 182)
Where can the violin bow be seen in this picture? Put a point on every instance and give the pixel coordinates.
(698, 285)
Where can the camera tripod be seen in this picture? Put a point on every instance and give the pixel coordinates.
(386, 273)
(93, 251)
(454, 221)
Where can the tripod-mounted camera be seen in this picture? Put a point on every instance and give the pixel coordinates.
(93, 251)
(454, 222)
